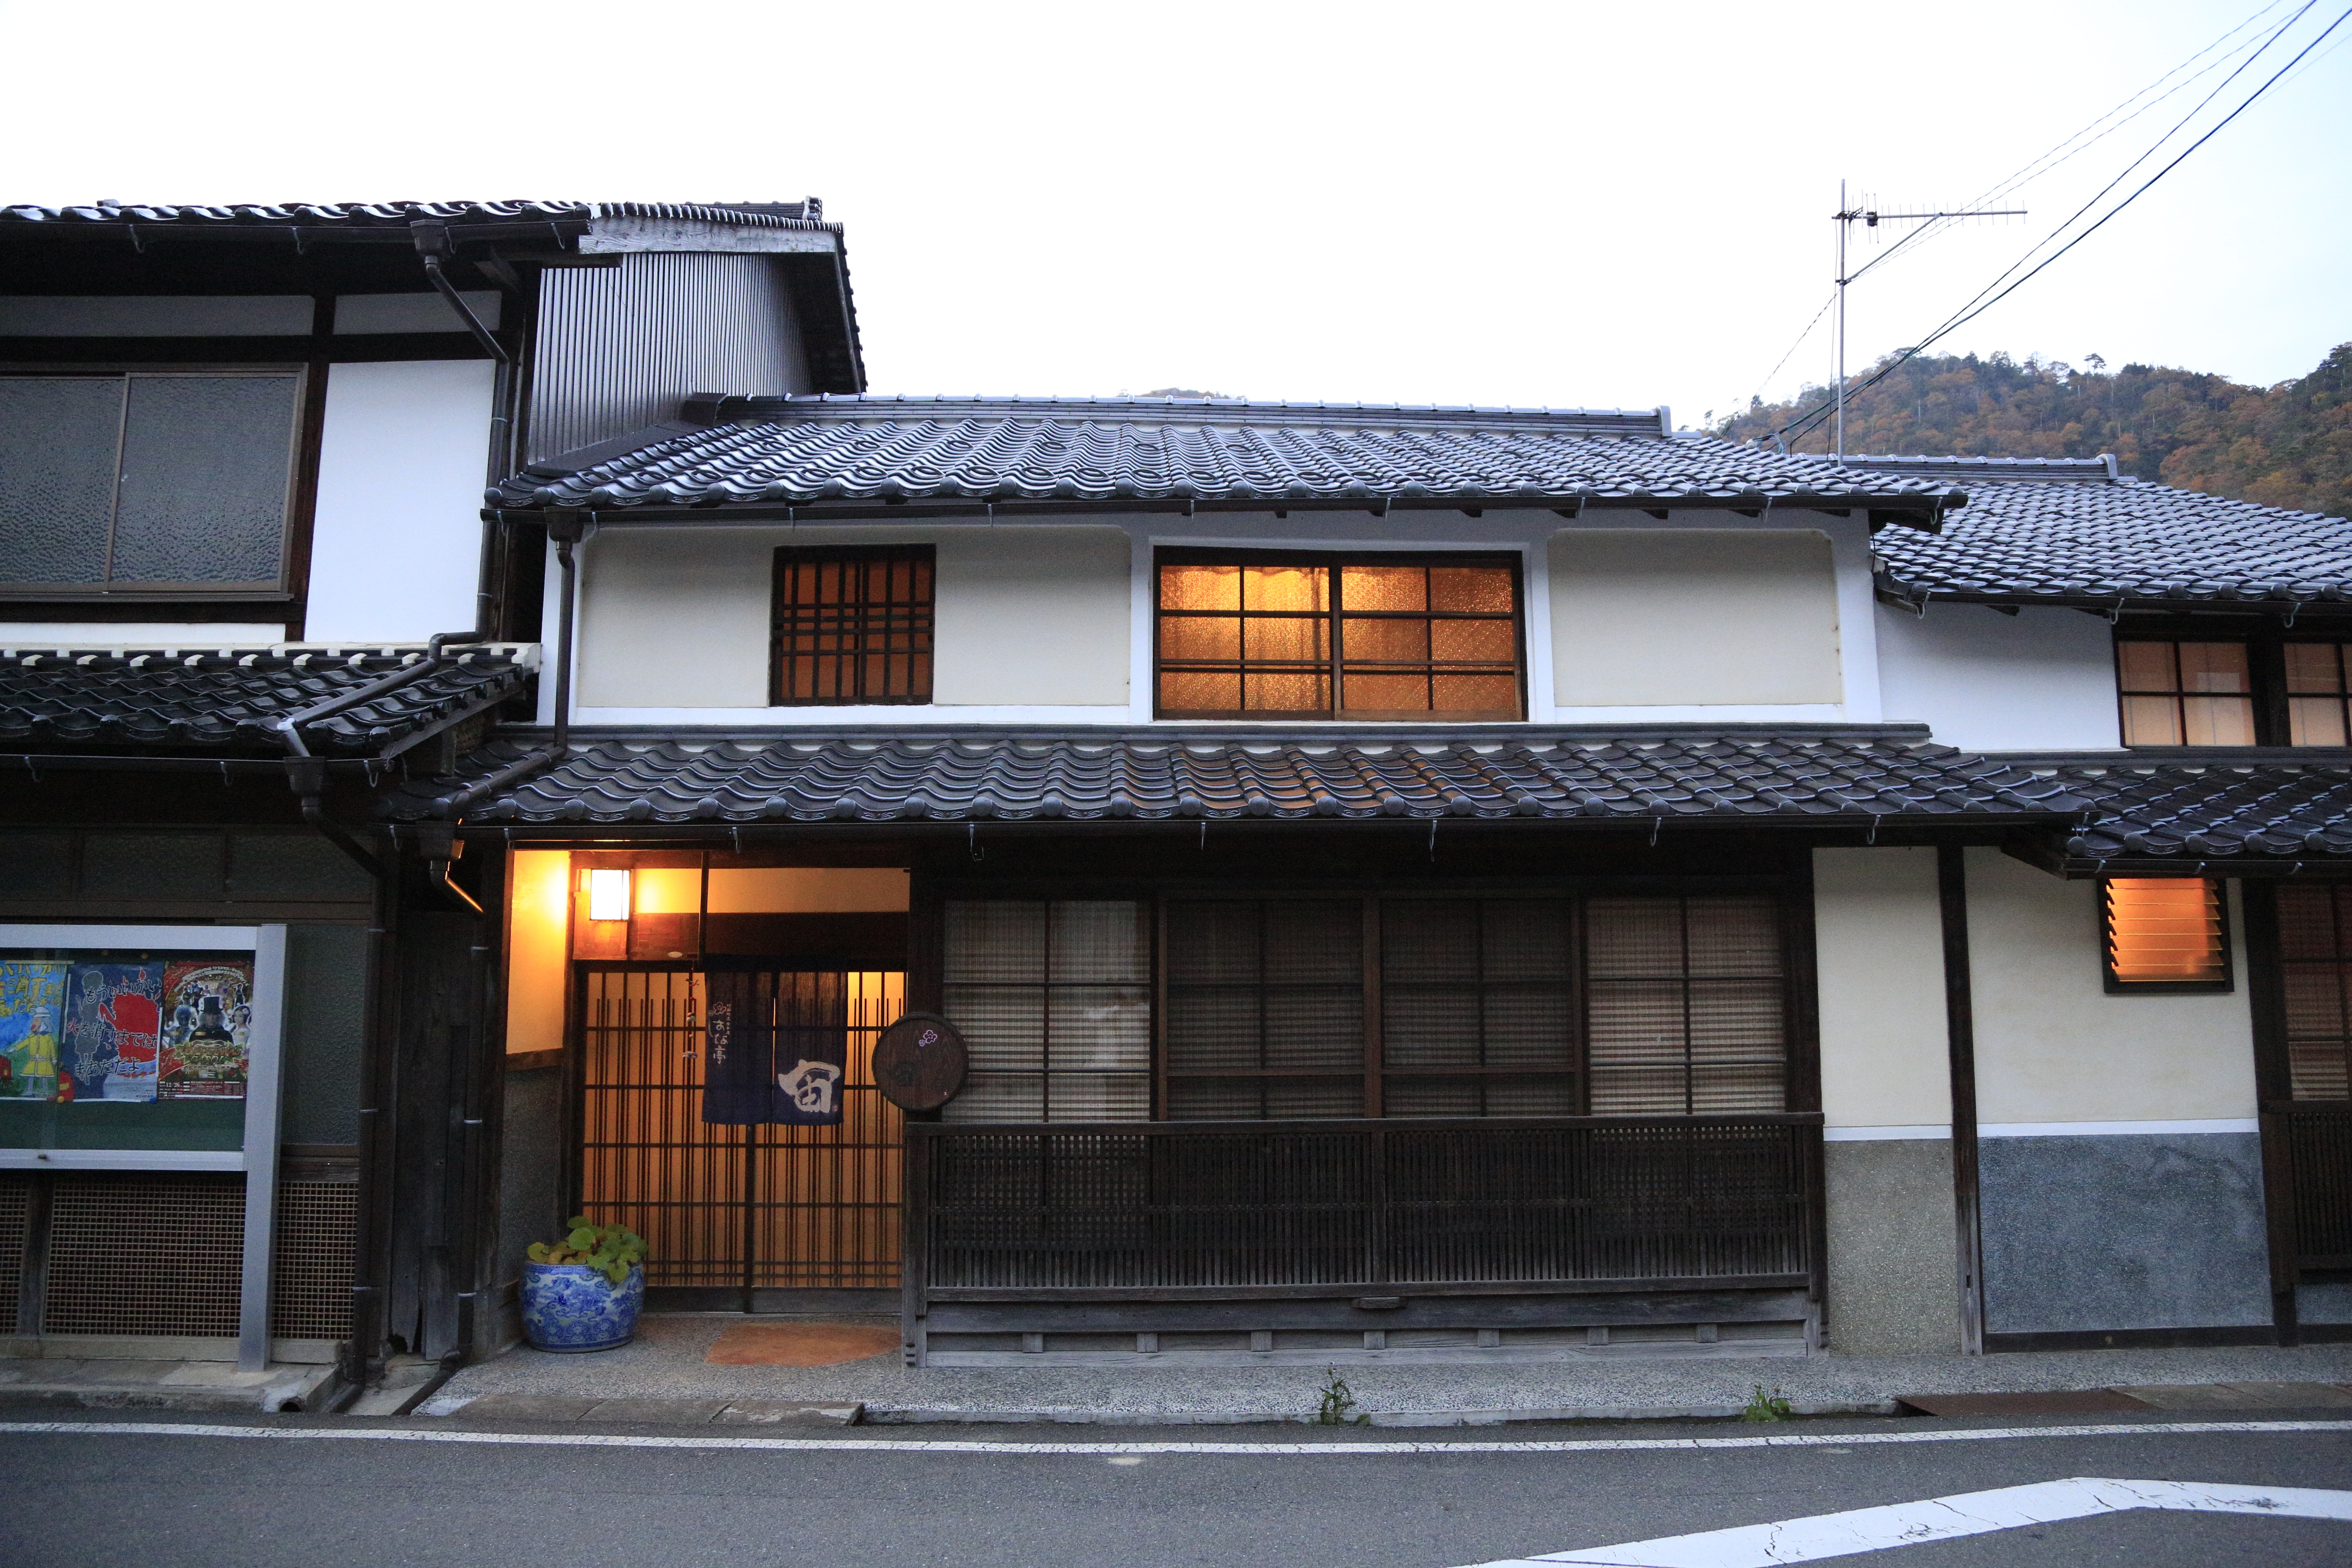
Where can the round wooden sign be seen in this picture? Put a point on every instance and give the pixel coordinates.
(918, 1062)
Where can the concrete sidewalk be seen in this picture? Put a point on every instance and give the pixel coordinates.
(666, 1363)
(110, 1383)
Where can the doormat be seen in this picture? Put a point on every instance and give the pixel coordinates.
(799, 1344)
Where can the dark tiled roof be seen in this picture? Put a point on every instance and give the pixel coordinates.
(2215, 812)
(1891, 775)
(400, 214)
(229, 701)
(798, 450)
(2069, 531)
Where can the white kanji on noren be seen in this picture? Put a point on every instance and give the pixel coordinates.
(810, 1087)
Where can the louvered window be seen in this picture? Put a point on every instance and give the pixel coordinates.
(2315, 964)
(2165, 933)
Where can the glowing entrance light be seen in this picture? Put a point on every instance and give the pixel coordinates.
(608, 895)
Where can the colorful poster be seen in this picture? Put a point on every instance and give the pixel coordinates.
(32, 1003)
(207, 1029)
(113, 1016)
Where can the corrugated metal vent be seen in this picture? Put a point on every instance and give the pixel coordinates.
(144, 1255)
(310, 1287)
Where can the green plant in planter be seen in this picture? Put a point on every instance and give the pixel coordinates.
(612, 1248)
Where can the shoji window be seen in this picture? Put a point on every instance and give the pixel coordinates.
(2315, 961)
(1687, 1011)
(2316, 694)
(1478, 1007)
(1054, 1002)
(2185, 693)
(2165, 933)
(1266, 1008)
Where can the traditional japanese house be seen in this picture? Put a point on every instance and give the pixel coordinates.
(1411, 882)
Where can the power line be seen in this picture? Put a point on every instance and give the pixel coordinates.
(1805, 424)
(2033, 170)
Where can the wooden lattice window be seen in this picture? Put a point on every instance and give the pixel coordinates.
(2314, 924)
(2185, 693)
(1266, 1009)
(1303, 1008)
(1686, 1006)
(2165, 933)
(1054, 1002)
(851, 625)
(1478, 1007)
(1258, 634)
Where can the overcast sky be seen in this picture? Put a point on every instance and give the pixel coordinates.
(1594, 204)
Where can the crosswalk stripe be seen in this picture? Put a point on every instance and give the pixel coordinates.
(1943, 1519)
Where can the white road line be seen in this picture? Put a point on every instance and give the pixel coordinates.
(885, 1444)
(1943, 1519)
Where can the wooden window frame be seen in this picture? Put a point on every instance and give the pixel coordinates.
(147, 600)
(2117, 987)
(1334, 663)
(920, 626)
(2267, 691)
(1801, 1083)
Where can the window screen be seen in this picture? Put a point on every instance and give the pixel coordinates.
(2165, 933)
(1383, 637)
(1685, 1011)
(146, 480)
(851, 625)
(1054, 1002)
(1478, 1007)
(2315, 964)
(2185, 693)
(2315, 694)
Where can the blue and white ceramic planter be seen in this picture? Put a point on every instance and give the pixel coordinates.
(570, 1307)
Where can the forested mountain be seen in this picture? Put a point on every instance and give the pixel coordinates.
(2289, 445)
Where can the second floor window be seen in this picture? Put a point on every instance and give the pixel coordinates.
(851, 625)
(1260, 635)
(146, 482)
(2247, 692)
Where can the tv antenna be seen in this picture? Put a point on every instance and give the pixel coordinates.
(1845, 217)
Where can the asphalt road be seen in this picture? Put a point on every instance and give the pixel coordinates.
(85, 1497)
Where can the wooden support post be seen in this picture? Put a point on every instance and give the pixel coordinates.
(1959, 1025)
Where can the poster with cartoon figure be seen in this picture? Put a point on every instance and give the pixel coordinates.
(108, 1047)
(32, 1005)
(207, 1029)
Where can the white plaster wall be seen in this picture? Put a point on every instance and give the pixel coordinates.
(1036, 617)
(397, 536)
(673, 623)
(138, 633)
(1878, 936)
(2043, 679)
(2052, 1046)
(1651, 617)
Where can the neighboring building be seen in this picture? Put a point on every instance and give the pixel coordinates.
(1414, 882)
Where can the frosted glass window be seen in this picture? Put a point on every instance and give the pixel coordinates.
(149, 480)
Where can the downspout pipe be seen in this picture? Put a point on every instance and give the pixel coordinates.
(567, 532)
(433, 246)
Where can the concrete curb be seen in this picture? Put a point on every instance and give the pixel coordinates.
(911, 1416)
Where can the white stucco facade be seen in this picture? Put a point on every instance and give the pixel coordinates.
(1878, 938)
(2042, 680)
(396, 539)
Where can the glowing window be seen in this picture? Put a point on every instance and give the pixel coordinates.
(2165, 933)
